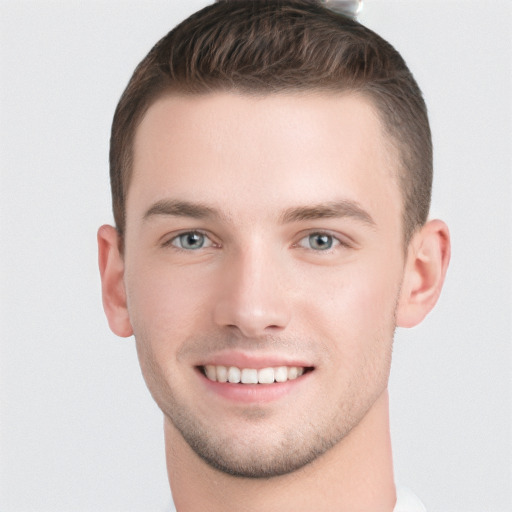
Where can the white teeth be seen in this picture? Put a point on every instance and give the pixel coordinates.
(281, 374)
(266, 376)
(236, 375)
(249, 376)
(293, 373)
(211, 372)
(233, 375)
(222, 374)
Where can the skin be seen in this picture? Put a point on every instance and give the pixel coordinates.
(264, 179)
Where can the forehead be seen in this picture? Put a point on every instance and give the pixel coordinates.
(258, 152)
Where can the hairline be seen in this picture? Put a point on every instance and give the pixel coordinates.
(393, 147)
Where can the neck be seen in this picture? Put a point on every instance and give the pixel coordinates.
(355, 475)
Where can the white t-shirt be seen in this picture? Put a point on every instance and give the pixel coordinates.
(406, 502)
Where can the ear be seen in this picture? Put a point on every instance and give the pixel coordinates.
(111, 265)
(428, 256)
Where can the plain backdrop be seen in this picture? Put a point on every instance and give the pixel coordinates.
(78, 429)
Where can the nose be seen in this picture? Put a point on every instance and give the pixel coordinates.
(252, 295)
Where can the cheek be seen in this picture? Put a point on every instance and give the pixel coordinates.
(373, 300)
(165, 304)
(166, 308)
(354, 309)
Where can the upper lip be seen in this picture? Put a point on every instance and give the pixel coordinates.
(253, 361)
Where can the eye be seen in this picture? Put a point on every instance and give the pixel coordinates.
(319, 242)
(191, 241)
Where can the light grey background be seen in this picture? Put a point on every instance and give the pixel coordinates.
(78, 430)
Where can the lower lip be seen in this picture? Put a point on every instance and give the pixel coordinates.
(254, 393)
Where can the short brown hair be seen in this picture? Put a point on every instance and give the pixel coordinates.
(271, 46)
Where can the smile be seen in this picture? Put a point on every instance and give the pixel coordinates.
(234, 375)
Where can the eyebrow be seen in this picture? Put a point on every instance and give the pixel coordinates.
(336, 209)
(176, 208)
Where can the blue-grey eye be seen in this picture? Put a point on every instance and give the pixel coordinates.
(318, 242)
(191, 241)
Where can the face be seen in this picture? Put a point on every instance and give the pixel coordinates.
(263, 244)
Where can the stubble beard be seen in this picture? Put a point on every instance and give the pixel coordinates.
(266, 453)
(258, 458)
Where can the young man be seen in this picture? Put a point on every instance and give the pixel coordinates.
(271, 170)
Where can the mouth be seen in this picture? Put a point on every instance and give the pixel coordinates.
(263, 376)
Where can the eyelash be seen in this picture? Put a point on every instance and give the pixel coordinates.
(170, 241)
(334, 240)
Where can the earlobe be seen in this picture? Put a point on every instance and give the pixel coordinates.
(427, 261)
(111, 266)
